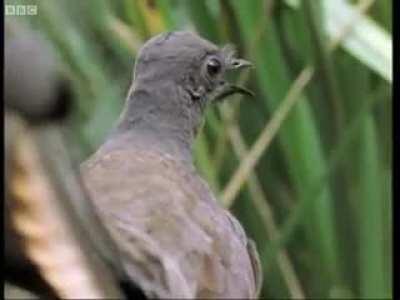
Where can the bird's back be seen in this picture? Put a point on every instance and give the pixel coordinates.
(174, 238)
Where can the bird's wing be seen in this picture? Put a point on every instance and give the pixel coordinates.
(257, 269)
(252, 252)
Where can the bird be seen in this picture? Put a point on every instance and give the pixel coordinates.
(174, 239)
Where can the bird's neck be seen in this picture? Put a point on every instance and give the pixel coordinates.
(162, 118)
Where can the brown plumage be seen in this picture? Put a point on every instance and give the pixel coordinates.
(174, 239)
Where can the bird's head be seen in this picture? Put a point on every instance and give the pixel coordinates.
(176, 75)
(192, 63)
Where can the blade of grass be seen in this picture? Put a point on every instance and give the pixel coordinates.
(154, 21)
(136, 18)
(203, 20)
(166, 10)
(371, 215)
(388, 243)
(125, 35)
(368, 42)
(324, 62)
(316, 188)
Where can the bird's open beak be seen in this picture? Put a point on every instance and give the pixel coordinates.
(226, 89)
(230, 89)
(238, 63)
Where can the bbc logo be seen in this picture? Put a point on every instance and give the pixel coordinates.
(21, 10)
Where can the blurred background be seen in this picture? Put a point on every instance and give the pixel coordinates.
(306, 165)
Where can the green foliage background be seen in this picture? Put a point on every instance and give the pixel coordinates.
(318, 199)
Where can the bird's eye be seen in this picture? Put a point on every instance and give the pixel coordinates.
(213, 66)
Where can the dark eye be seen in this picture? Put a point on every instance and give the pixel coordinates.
(213, 66)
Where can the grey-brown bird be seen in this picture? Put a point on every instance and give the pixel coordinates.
(173, 237)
